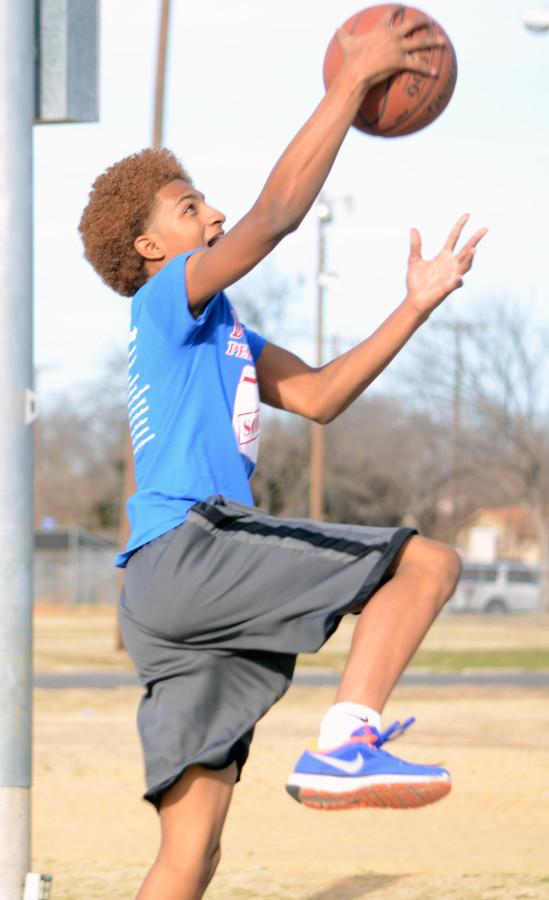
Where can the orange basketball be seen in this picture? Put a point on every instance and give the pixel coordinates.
(406, 102)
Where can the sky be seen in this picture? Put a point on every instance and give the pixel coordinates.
(242, 78)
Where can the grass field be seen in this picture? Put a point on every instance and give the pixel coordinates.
(486, 841)
(84, 638)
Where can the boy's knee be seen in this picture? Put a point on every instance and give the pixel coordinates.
(192, 868)
(209, 864)
(215, 859)
(445, 563)
(439, 561)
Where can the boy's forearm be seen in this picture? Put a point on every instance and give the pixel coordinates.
(343, 380)
(298, 176)
(287, 196)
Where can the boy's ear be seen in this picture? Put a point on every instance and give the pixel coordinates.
(148, 248)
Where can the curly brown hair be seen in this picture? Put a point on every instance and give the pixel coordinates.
(119, 209)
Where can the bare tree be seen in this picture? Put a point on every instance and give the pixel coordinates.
(281, 483)
(81, 453)
(508, 425)
(387, 464)
(384, 466)
(498, 454)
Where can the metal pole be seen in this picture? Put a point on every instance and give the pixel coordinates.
(129, 486)
(159, 97)
(459, 329)
(74, 567)
(456, 425)
(16, 444)
(316, 494)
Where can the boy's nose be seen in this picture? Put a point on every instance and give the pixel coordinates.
(215, 216)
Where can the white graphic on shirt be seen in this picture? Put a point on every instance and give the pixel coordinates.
(246, 414)
(138, 405)
(238, 331)
(241, 351)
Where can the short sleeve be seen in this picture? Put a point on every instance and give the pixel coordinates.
(255, 342)
(164, 300)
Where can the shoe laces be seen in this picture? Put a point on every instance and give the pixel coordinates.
(394, 731)
(378, 738)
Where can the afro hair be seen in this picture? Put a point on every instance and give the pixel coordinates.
(119, 209)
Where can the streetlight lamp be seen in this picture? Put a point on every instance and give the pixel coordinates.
(458, 329)
(316, 493)
(324, 280)
(129, 486)
(536, 20)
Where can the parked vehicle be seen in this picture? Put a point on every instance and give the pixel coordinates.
(504, 586)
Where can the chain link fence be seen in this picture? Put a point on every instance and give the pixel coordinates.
(72, 566)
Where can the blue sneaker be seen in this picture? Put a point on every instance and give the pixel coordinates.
(358, 773)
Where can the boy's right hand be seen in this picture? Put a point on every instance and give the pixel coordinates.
(386, 49)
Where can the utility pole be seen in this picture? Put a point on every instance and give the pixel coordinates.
(324, 280)
(160, 91)
(316, 493)
(129, 486)
(458, 330)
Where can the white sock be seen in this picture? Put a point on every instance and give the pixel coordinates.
(341, 720)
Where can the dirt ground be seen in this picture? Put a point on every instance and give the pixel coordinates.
(487, 840)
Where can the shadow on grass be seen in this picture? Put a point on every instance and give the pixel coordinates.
(356, 886)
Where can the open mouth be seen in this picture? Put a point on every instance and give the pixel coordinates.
(214, 240)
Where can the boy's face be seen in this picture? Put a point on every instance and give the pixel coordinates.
(181, 221)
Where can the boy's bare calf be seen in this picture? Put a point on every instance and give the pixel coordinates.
(192, 815)
(393, 623)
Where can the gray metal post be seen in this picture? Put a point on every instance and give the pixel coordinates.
(16, 479)
(316, 465)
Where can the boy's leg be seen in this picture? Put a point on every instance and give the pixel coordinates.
(192, 815)
(393, 623)
(348, 769)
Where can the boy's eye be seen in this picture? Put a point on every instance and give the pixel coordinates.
(189, 208)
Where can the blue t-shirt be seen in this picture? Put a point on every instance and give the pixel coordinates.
(193, 404)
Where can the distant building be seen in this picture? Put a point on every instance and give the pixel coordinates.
(73, 565)
(500, 532)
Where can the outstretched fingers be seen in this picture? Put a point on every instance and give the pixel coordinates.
(415, 245)
(467, 253)
(453, 237)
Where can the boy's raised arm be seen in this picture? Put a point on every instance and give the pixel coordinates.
(301, 171)
(286, 382)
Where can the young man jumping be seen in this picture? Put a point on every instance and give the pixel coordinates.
(220, 597)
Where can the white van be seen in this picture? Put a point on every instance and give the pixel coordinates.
(504, 586)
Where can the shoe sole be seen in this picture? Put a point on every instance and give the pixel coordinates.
(392, 795)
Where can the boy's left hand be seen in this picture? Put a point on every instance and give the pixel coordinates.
(429, 282)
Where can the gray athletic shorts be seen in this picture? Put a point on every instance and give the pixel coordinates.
(214, 612)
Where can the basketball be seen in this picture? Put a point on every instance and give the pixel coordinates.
(405, 102)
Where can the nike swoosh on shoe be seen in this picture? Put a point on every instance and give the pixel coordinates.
(349, 766)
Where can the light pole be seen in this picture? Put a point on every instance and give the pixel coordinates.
(128, 485)
(316, 494)
(536, 20)
(458, 329)
(324, 279)
(160, 91)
